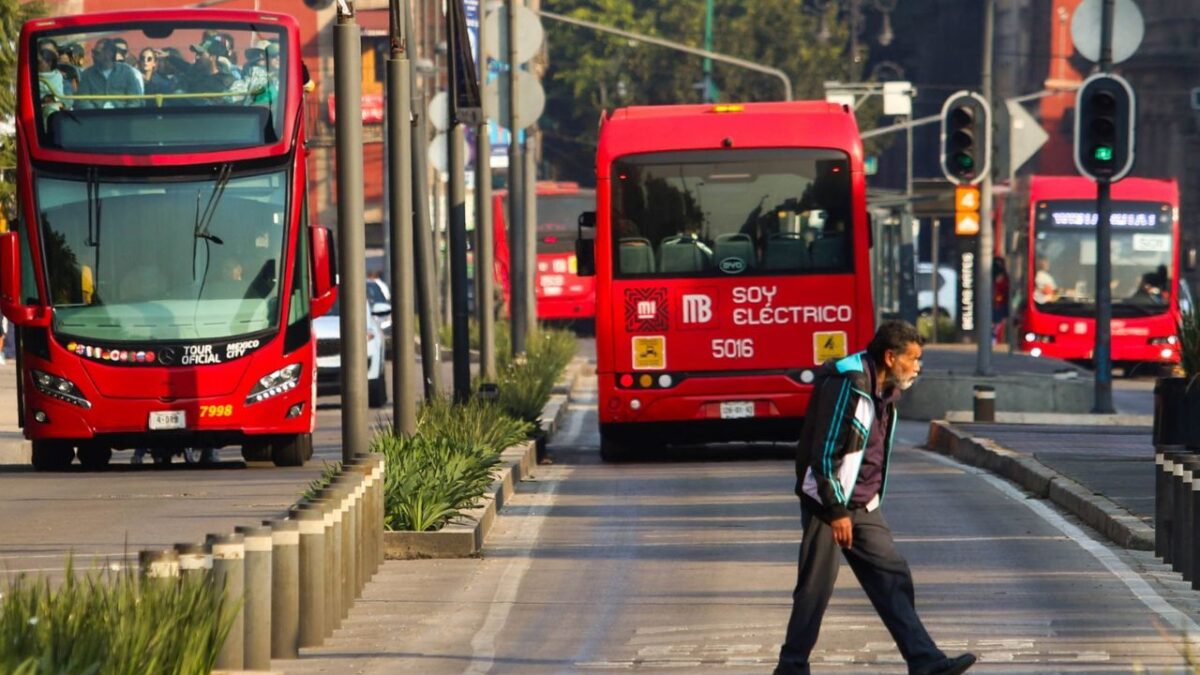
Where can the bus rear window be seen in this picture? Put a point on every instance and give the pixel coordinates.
(731, 212)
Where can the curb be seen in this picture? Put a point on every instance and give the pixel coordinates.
(464, 537)
(1099, 512)
(1072, 419)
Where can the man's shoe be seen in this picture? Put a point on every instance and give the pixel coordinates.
(950, 665)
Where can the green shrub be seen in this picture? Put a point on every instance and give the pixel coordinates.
(525, 388)
(328, 471)
(112, 623)
(429, 481)
(476, 422)
(947, 329)
(554, 348)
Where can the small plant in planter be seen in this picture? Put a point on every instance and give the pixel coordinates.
(1177, 397)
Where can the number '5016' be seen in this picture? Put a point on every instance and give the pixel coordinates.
(742, 348)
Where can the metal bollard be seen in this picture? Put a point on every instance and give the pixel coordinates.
(985, 403)
(162, 564)
(285, 588)
(311, 523)
(1191, 472)
(257, 645)
(229, 574)
(1179, 533)
(194, 559)
(1164, 516)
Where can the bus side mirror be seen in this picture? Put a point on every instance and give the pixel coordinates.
(585, 249)
(10, 286)
(324, 270)
(1189, 259)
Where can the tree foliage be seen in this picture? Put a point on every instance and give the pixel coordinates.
(13, 13)
(589, 71)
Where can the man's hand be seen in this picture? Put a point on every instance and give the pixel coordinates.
(843, 531)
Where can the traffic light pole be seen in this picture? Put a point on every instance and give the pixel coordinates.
(983, 275)
(518, 273)
(1102, 354)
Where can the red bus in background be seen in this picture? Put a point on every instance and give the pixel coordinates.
(1056, 318)
(560, 293)
(161, 273)
(731, 259)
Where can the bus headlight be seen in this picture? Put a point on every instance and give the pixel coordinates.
(1168, 340)
(1038, 337)
(276, 383)
(60, 388)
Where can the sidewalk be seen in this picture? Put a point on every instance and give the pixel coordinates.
(1102, 474)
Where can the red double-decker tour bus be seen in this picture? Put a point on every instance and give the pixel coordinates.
(1057, 315)
(561, 294)
(161, 271)
(731, 259)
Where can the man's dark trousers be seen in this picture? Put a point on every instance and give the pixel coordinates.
(883, 574)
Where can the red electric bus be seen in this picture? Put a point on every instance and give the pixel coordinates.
(1057, 317)
(161, 272)
(731, 259)
(561, 294)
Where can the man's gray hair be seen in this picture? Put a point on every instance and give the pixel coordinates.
(893, 335)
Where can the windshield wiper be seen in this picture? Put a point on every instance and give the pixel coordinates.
(203, 220)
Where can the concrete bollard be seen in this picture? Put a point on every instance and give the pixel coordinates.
(1164, 514)
(194, 559)
(1181, 478)
(229, 574)
(362, 552)
(349, 484)
(330, 587)
(339, 496)
(162, 564)
(985, 403)
(1186, 524)
(312, 574)
(285, 588)
(257, 641)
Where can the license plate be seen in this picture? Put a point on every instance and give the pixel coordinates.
(168, 419)
(731, 410)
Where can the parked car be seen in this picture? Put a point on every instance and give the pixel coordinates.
(329, 354)
(947, 290)
(379, 297)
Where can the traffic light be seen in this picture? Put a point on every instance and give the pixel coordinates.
(1104, 117)
(966, 152)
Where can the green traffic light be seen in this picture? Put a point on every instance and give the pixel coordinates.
(964, 161)
(1103, 153)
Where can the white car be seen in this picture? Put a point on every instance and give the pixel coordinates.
(329, 354)
(947, 290)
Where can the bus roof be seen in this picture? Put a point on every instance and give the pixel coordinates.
(813, 124)
(152, 15)
(1078, 187)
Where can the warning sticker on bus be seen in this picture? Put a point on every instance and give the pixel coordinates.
(649, 352)
(828, 345)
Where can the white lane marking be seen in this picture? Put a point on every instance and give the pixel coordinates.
(483, 644)
(1177, 620)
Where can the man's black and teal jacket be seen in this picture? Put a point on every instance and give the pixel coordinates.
(837, 425)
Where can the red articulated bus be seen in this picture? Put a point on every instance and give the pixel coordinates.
(161, 272)
(1058, 313)
(731, 259)
(561, 294)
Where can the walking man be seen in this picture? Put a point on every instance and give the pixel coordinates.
(841, 475)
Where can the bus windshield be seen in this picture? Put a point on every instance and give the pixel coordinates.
(155, 260)
(730, 212)
(1065, 257)
(158, 87)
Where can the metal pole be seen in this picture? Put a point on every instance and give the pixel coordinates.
(518, 274)
(1103, 403)
(935, 240)
(285, 588)
(257, 647)
(352, 246)
(530, 177)
(987, 229)
(485, 260)
(425, 259)
(399, 114)
(709, 95)
(229, 575)
(456, 212)
(908, 251)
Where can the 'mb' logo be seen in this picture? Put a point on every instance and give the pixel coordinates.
(697, 309)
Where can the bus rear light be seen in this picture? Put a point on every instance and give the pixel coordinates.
(807, 376)
(664, 380)
(60, 388)
(626, 380)
(635, 404)
(1038, 337)
(284, 379)
(645, 381)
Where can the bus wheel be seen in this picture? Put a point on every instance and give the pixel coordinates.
(611, 450)
(93, 456)
(292, 450)
(377, 391)
(52, 455)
